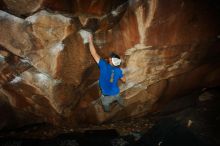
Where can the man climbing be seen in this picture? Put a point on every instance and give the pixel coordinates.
(110, 74)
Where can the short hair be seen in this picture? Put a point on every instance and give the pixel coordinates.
(114, 55)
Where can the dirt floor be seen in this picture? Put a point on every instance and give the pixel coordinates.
(189, 120)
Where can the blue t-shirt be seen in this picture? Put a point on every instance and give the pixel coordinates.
(109, 76)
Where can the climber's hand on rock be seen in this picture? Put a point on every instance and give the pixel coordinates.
(90, 38)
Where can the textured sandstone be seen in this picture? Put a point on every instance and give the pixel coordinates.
(50, 30)
(23, 6)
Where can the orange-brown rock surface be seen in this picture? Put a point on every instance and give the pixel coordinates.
(169, 49)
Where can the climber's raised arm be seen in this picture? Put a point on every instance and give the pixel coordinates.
(92, 49)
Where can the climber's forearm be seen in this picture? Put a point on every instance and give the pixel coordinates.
(93, 51)
(123, 79)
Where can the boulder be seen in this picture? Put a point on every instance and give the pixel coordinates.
(169, 49)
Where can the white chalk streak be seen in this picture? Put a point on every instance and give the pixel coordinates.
(2, 58)
(143, 24)
(25, 61)
(114, 13)
(7, 16)
(44, 13)
(16, 80)
(57, 48)
(85, 35)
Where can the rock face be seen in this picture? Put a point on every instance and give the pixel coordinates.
(169, 49)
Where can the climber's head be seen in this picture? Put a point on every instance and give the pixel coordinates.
(114, 59)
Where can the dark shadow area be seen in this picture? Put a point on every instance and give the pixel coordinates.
(189, 121)
(167, 132)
